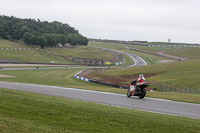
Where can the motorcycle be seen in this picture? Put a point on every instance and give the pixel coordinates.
(138, 91)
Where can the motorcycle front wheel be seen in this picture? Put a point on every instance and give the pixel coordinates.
(143, 94)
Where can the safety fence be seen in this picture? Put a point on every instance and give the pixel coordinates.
(169, 87)
(18, 48)
(195, 45)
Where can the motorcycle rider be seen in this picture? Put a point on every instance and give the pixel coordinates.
(135, 82)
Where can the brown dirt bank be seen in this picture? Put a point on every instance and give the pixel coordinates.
(5, 76)
(97, 74)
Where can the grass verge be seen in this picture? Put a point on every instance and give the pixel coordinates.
(10, 44)
(28, 112)
(27, 56)
(181, 97)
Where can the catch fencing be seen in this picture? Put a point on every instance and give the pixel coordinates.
(169, 87)
(154, 85)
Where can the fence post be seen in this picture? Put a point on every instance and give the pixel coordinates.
(185, 90)
(161, 88)
(190, 91)
(165, 88)
(171, 89)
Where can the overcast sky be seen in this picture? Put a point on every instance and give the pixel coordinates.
(145, 20)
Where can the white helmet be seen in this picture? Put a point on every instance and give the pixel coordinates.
(141, 76)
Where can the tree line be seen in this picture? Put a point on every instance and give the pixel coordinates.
(36, 32)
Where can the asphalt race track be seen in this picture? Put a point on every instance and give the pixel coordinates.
(147, 104)
(138, 60)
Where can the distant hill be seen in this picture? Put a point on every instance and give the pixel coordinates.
(118, 41)
(38, 32)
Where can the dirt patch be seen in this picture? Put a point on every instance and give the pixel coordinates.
(5, 76)
(167, 61)
(116, 80)
(160, 52)
(86, 72)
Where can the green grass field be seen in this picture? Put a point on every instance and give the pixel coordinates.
(33, 56)
(51, 54)
(9, 44)
(151, 49)
(166, 43)
(28, 112)
(83, 51)
(190, 52)
(185, 52)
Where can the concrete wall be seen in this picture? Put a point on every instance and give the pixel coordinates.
(91, 62)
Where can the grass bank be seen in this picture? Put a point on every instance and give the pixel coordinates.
(167, 43)
(82, 52)
(51, 54)
(28, 112)
(185, 73)
(190, 52)
(33, 56)
(10, 44)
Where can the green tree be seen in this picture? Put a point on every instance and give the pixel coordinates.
(72, 39)
(33, 39)
(26, 37)
(23, 30)
(31, 31)
(2, 30)
(42, 41)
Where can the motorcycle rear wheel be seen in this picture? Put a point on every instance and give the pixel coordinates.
(128, 93)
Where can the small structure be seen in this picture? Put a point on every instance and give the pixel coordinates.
(59, 45)
(67, 45)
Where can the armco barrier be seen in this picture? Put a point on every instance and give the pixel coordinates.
(82, 78)
(98, 82)
(119, 63)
